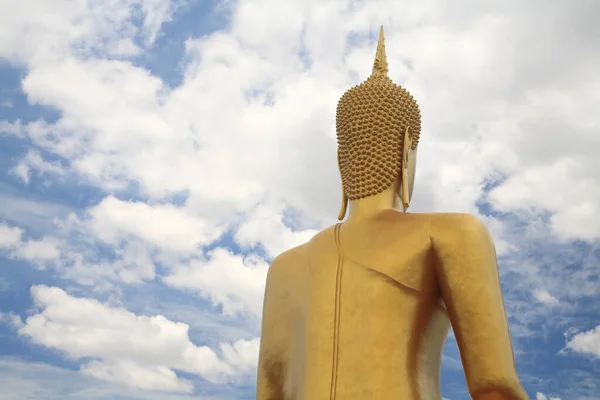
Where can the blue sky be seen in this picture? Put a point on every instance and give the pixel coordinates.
(155, 155)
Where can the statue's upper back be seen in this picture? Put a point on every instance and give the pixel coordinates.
(394, 245)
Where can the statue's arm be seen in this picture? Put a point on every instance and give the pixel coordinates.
(468, 276)
(270, 364)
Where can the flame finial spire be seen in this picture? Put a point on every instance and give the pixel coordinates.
(380, 66)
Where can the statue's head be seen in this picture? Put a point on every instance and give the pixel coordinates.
(378, 124)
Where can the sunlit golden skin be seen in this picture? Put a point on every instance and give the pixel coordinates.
(362, 311)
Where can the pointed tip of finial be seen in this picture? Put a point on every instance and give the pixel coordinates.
(380, 66)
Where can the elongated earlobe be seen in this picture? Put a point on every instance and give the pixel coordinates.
(344, 206)
(404, 169)
(342, 213)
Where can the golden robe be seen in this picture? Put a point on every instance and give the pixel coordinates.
(362, 311)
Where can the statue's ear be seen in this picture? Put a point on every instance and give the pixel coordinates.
(344, 197)
(404, 168)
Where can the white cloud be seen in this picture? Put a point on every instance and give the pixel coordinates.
(23, 380)
(46, 249)
(22, 172)
(133, 265)
(165, 226)
(243, 355)
(234, 282)
(544, 297)
(61, 25)
(39, 252)
(12, 128)
(30, 213)
(264, 225)
(541, 396)
(156, 13)
(128, 373)
(281, 138)
(125, 47)
(586, 342)
(10, 237)
(12, 320)
(562, 188)
(34, 161)
(137, 351)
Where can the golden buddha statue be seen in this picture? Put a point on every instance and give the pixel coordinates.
(362, 311)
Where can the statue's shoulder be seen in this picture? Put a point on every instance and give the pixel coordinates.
(457, 226)
(281, 269)
(437, 221)
(436, 224)
(453, 220)
(288, 256)
(298, 255)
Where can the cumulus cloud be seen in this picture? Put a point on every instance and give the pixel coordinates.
(264, 225)
(34, 161)
(88, 26)
(43, 250)
(281, 112)
(586, 342)
(541, 396)
(11, 319)
(165, 226)
(10, 237)
(572, 211)
(78, 261)
(242, 355)
(544, 297)
(39, 252)
(231, 281)
(11, 128)
(26, 380)
(139, 351)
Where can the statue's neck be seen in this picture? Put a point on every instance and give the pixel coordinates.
(369, 206)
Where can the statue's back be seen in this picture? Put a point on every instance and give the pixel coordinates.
(364, 317)
(359, 313)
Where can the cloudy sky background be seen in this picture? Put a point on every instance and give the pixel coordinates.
(155, 155)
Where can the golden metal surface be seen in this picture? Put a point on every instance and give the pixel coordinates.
(362, 311)
(370, 121)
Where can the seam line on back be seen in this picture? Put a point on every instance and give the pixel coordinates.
(337, 311)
